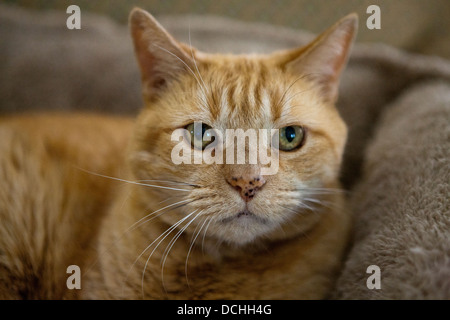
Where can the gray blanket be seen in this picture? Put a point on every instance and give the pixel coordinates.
(397, 107)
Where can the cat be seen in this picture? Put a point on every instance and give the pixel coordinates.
(103, 193)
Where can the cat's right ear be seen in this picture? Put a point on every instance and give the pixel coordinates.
(323, 60)
(161, 59)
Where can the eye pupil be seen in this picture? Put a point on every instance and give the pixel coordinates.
(197, 137)
(290, 133)
(291, 138)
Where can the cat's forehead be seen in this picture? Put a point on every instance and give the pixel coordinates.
(244, 93)
(245, 105)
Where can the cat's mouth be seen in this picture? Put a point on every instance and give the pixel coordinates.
(244, 215)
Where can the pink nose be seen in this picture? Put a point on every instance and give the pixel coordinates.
(247, 186)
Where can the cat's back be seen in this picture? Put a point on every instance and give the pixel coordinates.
(51, 204)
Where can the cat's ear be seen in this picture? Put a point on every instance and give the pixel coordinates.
(161, 58)
(323, 59)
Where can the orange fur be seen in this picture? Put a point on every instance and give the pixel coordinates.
(281, 251)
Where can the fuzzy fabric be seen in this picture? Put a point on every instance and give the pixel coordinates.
(401, 201)
(396, 105)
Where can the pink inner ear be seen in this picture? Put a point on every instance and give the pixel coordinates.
(146, 61)
(326, 57)
(159, 56)
(341, 48)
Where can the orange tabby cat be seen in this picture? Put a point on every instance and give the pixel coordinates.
(104, 193)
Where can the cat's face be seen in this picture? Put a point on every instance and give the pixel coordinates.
(292, 91)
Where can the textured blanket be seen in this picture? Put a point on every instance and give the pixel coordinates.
(397, 107)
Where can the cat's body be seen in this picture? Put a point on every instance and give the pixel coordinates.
(50, 210)
(182, 231)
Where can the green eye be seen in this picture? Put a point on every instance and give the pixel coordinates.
(291, 137)
(196, 137)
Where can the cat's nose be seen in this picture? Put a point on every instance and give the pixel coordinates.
(247, 185)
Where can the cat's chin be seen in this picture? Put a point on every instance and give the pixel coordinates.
(244, 228)
(247, 227)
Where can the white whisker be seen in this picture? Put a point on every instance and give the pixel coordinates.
(193, 58)
(322, 190)
(322, 203)
(171, 244)
(204, 233)
(305, 206)
(189, 68)
(293, 95)
(138, 223)
(132, 182)
(164, 235)
(280, 102)
(189, 251)
(171, 181)
(133, 227)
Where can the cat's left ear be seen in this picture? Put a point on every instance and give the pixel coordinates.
(323, 60)
(161, 58)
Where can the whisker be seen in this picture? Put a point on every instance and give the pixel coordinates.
(171, 244)
(138, 223)
(295, 94)
(290, 209)
(142, 253)
(162, 201)
(132, 182)
(204, 234)
(305, 206)
(327, 189)
(193, 233)
(190, 248)
(190, 69)
(321, 191)
(299, 207)
(133, 227)
(193, 58)
(172, 181)
(289, 87)
(323, 203)
(164, 235)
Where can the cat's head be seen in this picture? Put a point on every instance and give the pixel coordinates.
(292, 91)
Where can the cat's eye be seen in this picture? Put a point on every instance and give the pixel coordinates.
(291, 138)
(201, 137)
